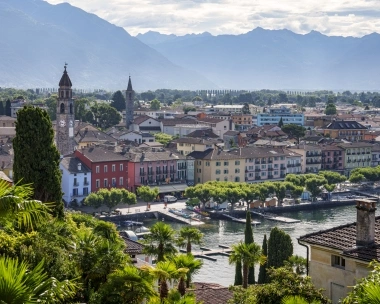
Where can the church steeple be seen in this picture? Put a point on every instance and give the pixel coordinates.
(65, 80)
(129, 102)
(129, 88)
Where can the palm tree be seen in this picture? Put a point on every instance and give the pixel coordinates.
(192, 264)
(17, 206)
(297, 300)
(248, 255)
(371, 292)
(188, 235)
(160, 241)
(19, 284)
(165, 271)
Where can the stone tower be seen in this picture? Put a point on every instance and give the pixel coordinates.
(365, 222)
(65, 116)
(129, 100)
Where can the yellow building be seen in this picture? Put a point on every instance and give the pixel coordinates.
(356, 155)
(345, 129)
(311, 157)
(187, 145)
(340, 256)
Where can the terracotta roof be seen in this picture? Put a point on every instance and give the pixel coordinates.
(331, 148)
(345, 125)
(137, 155)
(174, 121)
(192, 140)
(231, 133)
(141, 118)
(209, 293)
(71, 164)
(344, 238)
(132, 246)
(203, 133)
(210, 120)
(92, 135)
(355, 145)
(98, 154)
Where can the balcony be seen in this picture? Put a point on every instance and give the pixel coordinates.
(173, 171)
(257, 170)
(86, 183)
(270, 161)
(75, 184)
(150, 172)
(257, 177)
(270, 169)
(142, 173)
(290, 165)
(257, 162)
(270, 176)
(282, 167)
(282, 175)
(348, 153)
(263, 161)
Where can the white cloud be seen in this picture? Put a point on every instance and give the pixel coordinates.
(330, 17)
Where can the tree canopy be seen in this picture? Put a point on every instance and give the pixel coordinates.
(295, 131)
(155, 105)
(118, 101)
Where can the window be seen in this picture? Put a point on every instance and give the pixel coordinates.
(97, 183)
(121, 181)
(226, 179)
(199, 170)
(105, 168)
(337, 261)
(237, 170)
(237, 179)
(263, 166)
(97, 169)
(75, 192)
(121, 167)
(217, 172)
(237, 162)
(199, 163)
(263, 173)
(275, 165)
(226, 163)
(275, 172)
(282, 157)
(113, 168)
(218, 179)
(218, 164)
(226, 171)
(199, 179)
(85, 191)
(207, 164)
(105, 183)
(276, 158)
(113, 182)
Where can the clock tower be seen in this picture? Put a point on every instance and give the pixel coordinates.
(65, 116)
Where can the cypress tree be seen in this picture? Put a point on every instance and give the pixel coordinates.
(118, 101)
(248, 239)
(2, 111)
(36, 158)
(238, 274)
(280, 123)
(280, 248)
(263, 268)
(8, 107)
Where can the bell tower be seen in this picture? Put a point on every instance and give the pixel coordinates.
(65, 116)
(129, 101)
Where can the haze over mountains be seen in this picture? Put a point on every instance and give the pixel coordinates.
(37, 38)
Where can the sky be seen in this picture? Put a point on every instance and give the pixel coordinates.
(330, 17)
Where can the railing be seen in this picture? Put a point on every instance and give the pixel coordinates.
(86, 183)
(282, 168)
(270, 176)
(290, 165)
(150, 172)
(257, 170)
(142, 173)
(76, 184)
(270, 161)
(257, 162)
(257, 177)
(282, 175)
(270, 169)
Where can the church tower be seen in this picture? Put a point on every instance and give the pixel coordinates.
(129, 100)
(65, 116)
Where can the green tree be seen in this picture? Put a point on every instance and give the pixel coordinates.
(155, 105)
(280, 123)
(280, 248)
(197, 98)
(105, 115)
(187, 109)
(2, 110)
(110, 198)
(188, 261)
(34, 149)
(159, 243)
(245, 109)
(248, 255)
(330, 109)
(314, 186)
(163, 138)
(51, 104)
(80, 108)
(333, 177)
(8, 108)
(188, 235)
(263, 267)
(248, 239)
(297, 263)
(93, 200)
(118, 101)
(147, 194)
(294, 131)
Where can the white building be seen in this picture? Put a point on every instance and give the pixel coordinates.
(76, 179)
(275, 114)
(225, 108)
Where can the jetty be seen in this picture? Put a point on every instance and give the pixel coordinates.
(207, 253)
(274, 217)
(240, 220)
(177, 218)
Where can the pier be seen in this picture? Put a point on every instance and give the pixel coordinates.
(240, 220)
(177, 218)
(207, 253)
(274, 217)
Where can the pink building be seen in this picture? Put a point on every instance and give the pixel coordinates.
(333, 158)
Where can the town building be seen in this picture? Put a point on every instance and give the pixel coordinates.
(375, 155)
(7, 121)
(203, 133)
(332, 158)
(311, 157)
(108, 169)
(131, 136)
(357, 155)
(340, 256)
(270, 132)
(275, 114)
(89, 136)
(179, 127)
(242, 121)
(225, 108)
(218, 126)
(18, 104)
(345, 129)
(234, 139)
(76, 180)
(64, 129)
(187, 145)
(144, 123)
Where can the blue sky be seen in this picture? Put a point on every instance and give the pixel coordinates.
(330, 17)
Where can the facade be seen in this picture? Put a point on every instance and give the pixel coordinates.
(108, 169)
(20, 103)
(64, 134)
(242, 121)
(170, 171)
(345, 129)
(357, 155)
(129, 102)
(375, 155)
(76, 179)
(311, 157)
(275, 114)
(7, 121)
(89, 136)
(187, 145)
(179, 127)
(218, 126)
(226, 108)
(333, 158)
(146, 123)
(340, 256)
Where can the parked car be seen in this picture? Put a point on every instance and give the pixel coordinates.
(170, 199)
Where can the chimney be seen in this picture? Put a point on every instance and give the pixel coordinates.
(365, 222)
(79, 166)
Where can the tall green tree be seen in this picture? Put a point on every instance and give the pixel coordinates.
(263, 267)
(280, 248)
(280, 123)
(2, 110)
(188, 235)
(105, 115)
(294, 131)
(118, 101)
(248, 239)
(155, 105)
(189, 262)
(147, 194)
(238, 281)
(36, 158)
(8, 108)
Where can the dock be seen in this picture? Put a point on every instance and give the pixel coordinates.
(177, 218)
(207, 253)
(274, 217)
(240, 220)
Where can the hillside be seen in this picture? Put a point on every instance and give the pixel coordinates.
(276, 59)
(37, 38)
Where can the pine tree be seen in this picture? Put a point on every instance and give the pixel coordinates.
(280, 123)
(118, 101)
(263, 268)
(2, 110)
(280, 248)
(8, 108)
(238, 275)
(248, 239)
(36, 158)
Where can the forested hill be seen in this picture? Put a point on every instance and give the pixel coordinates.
(276, 59)
(37, 38)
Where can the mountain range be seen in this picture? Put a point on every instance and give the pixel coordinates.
(37, 38)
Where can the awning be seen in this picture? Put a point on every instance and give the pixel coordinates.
(171, 188)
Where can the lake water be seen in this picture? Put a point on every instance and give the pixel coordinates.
(229, 233)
